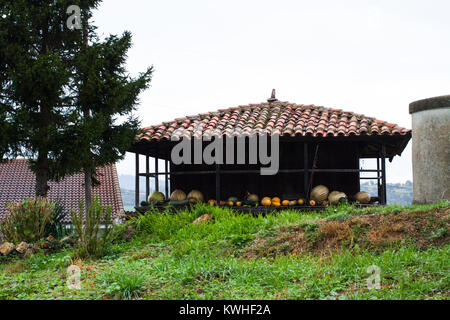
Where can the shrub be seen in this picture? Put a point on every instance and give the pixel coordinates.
(92, 242)
(29, 221)
(57, 228)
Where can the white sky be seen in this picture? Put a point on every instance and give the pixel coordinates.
(370, 57)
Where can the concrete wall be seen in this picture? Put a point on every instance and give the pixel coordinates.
(431, 155)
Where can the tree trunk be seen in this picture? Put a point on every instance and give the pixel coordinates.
(42, 167)
(87, 172)
(88, 186)
(42, 175)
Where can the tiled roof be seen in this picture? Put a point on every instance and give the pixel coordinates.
(18, 182)
(283, 118)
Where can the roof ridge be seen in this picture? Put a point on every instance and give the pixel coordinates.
(307, 119)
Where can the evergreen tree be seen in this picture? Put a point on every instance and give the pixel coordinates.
(64, 94)
(7, 136)
(102, 126)
(36, 67)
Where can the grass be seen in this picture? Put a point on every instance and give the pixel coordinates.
(238, 256)
(122, 285)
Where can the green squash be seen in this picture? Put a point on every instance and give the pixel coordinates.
(233, 199)
(156, 197)
(252, 198)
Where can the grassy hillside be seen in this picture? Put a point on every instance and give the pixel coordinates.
(289, 255)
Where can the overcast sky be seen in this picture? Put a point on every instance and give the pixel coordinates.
(370, 57)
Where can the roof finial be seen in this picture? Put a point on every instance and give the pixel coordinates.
(273, 98)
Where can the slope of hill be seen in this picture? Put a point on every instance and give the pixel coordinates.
(333, 255)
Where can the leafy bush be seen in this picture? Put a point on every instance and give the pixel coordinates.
(57, 228)
(92, 242)
(28, 221)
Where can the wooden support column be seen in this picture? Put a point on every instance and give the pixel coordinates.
(306, 171)
(137, 181)
(379, 179)
(218, 199)
(147, 177)
(156, 173)
(383, 169)
(167, 178)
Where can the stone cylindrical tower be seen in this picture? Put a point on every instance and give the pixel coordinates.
(431, 149)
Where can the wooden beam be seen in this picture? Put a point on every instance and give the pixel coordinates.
(157, 174)
(137, 181)
(378, 177)
(305, 169)
(383, 169)
(218, 199)
(167, 178)
(288, 171)
(147, 177)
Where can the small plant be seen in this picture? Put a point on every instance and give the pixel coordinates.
(240, 240)
(122, 285)
(28, 221)
(312, 234)
(57, 227)
(92, 241)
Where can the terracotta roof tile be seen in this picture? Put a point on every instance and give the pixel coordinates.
(282, 118)
(17, 182)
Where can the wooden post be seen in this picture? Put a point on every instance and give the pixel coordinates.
(137, 181)
(167, 178)
(305, 173)
(156, 173)
(218, 199)
(147, 177)
(383, 168)
(379, 179)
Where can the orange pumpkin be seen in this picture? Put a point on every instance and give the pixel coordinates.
(230, 203)
(301, 202)
(238, 204)
(312, 203)
(276, 199)
(266, 202)
(212, 202)
(276, 204)
(293, 203)
(285, 203)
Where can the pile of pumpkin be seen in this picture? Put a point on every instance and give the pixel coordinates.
(178, 197)
(277, 202)
(320, 196)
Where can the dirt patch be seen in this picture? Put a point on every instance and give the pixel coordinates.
(16, 267)
(423, 229)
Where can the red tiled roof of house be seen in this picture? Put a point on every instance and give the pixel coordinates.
(283, 118)
(17, 182)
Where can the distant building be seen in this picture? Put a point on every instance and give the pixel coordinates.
(17, 182)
